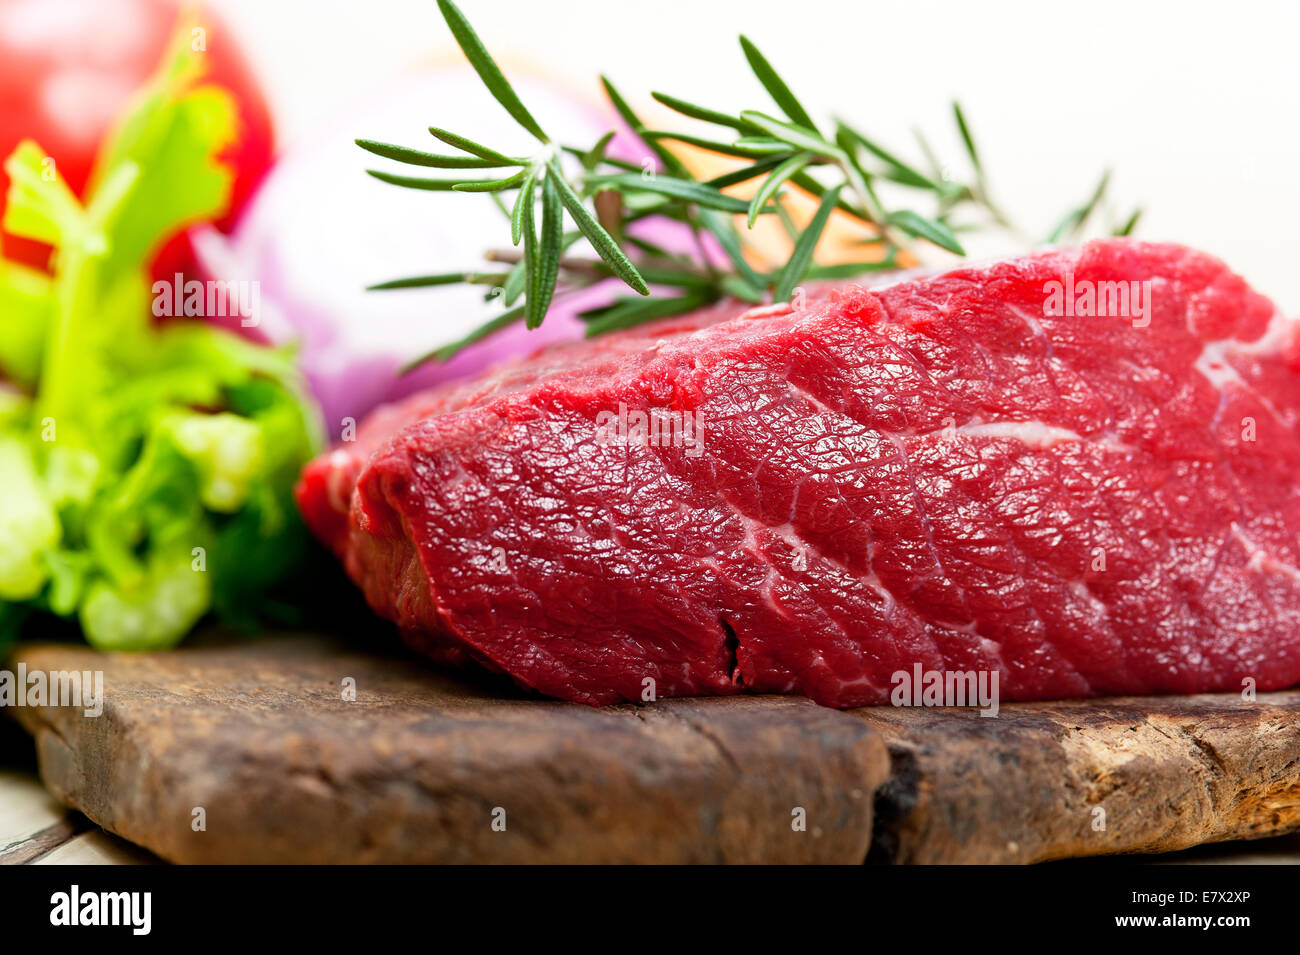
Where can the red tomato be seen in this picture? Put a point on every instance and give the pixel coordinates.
(67, 69)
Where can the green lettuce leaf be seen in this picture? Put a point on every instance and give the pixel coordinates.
(148, 470)
(26, 303)
(28, 525)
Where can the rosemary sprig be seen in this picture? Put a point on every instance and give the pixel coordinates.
(842, 172)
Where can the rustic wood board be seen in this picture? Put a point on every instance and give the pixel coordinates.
(1049, 781)
(258, 736)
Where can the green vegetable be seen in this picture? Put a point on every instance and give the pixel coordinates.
(28, 524)
(147, 469)
(788, 150)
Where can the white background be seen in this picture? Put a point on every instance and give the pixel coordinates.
(1195, 105)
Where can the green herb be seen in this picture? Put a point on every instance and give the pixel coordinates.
(801, 257)
(148, 470)
(1129, 224)
(1075, 220)
(788, 151)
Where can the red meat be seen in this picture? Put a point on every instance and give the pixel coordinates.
(966, 471)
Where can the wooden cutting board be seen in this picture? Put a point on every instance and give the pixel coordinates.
(299, 748)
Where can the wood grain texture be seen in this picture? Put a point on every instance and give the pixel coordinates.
(25, 810)
(259, 737)
(44, 841)
(95, 847)
(1165, 772)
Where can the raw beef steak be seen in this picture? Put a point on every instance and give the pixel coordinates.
(1076, 469)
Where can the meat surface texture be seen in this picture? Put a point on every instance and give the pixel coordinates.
(964, 471)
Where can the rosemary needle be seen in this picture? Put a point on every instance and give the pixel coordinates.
(787, 151)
